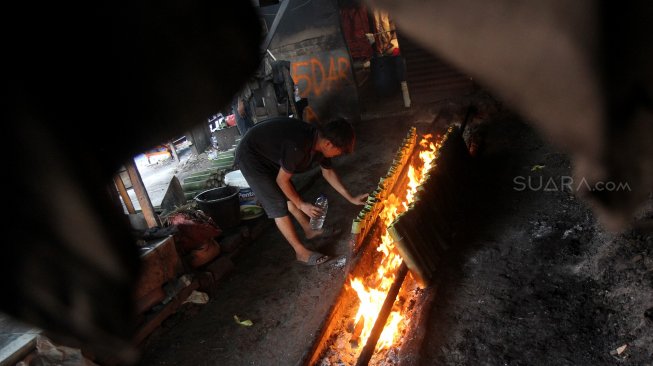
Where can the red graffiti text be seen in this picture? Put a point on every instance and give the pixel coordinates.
(314, 77)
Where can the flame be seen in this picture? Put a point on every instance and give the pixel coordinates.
(373, 290)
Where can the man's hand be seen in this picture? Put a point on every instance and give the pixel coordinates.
(359, 200)
(310, 210)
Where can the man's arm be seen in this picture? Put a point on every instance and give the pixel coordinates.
(284, 182)
(334, 180)
(241, 107)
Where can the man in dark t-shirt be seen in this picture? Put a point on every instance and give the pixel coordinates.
(272, 151)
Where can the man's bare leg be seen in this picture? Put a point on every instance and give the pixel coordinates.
(303, 221)
(287, 228)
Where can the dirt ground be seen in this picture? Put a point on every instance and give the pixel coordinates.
(534, 280)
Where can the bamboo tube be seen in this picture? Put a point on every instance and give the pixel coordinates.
(363, 226)
(199, 178)
(418, 242)
(226, 154)
(435, 225)
(368, 216)
(224, 160)
(222, 164)
(409, 260)
(428, 234)
(442, 192)
(435, 219)
(203, 172)
(191, 195)
(419, 219)
(194, 186)
(410, 250)
(355, 227)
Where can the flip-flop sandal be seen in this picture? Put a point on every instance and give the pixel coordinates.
(315, 259)
(328, 233)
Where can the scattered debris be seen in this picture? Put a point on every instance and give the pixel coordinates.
(340, 263)
(197, 297)
(621, 349)
(49, 354)
(618, 351)
(541, 229)
(194, 227)
(572, 233)
(244, 323)
(173, 288)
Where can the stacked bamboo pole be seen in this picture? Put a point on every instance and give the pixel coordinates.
(224, 160)
(201, 181)
(423, 232)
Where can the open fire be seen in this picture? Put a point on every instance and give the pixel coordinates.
(395, 232)
(373, 290)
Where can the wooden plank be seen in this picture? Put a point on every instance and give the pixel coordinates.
(20, 347)
(123, 193)
(170, 308)
(151, 217)
(382, 318)
(172, 148)
(158, 266)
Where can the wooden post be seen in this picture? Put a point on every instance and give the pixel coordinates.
(290, 92)
(193, 146)
(368, 350)
(151, 217)
(123, 193)
(171, 146)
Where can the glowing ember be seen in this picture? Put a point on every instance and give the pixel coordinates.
(373, 290)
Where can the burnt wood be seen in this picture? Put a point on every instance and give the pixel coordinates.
(368, 350)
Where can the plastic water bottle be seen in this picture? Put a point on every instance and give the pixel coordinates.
(323, 204)
(214, 141)
(297, 96)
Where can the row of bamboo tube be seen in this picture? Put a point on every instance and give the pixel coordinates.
(212, 177)
(423, 233)
(208, 179)
(366, 218)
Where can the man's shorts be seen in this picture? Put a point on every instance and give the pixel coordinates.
(262, 179)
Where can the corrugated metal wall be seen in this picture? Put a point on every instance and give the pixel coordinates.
(429, 77)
